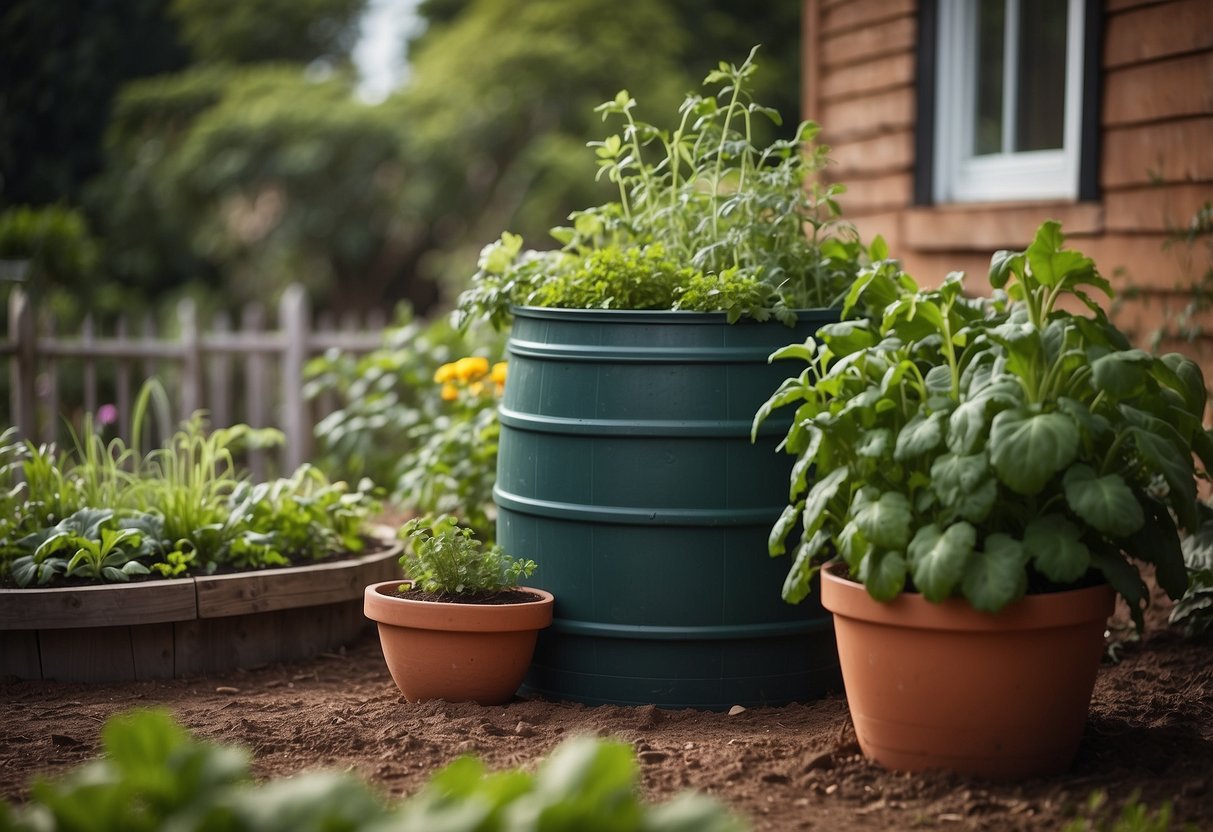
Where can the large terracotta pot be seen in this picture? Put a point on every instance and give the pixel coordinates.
(457, 652)
(944, 686)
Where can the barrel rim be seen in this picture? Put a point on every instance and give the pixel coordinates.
(820, 315)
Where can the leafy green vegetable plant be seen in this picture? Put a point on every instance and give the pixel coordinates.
(446, 559)
(988, 447)
(154, 776)
(705, 220)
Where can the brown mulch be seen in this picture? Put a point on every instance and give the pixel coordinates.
(1150, 733)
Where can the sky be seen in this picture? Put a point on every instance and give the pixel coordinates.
(379, 54)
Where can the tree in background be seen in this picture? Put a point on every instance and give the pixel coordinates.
(269, 31)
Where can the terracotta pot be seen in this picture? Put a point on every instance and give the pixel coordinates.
(944, 686)
(457, 652)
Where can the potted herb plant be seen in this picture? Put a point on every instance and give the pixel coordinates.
(637, 357)
(461, 628)
(987, 474)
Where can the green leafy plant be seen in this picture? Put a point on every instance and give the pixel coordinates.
(153, 775)
(704, 205)
(1194, 611)
(91, 543)
(1134, 816)
(986, 447)
(446, 559)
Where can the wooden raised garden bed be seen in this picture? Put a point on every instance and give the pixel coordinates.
(183, 627)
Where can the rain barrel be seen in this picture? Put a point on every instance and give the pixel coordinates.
(626, 471)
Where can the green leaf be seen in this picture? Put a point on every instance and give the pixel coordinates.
(920, 435)
(965, 485)
(938, 560)
(885, 522)
(848, 337)
(1028, 450)
(779, 532)
(874, 444)
(1048, 262)
(805, 352)
(996, 577)
(1106, 503)
(883, 573)
(1160, 450)
(1193, 389)
(853, 547)
(1124, 578)
(1003, 266)
(819, 497)
(878, 249)
(1055, 545)
(1121, 374)
(798, 583)
(1158, 542)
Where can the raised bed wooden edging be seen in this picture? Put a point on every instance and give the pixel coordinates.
(184, 627)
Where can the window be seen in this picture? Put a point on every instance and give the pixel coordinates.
(1013, 97)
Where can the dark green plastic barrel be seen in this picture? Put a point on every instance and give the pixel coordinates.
(627, 473)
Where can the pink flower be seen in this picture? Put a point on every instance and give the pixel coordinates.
(107, 414)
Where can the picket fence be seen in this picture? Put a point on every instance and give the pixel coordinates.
(247, 373)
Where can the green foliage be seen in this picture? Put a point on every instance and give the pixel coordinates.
(238, 31)
(613, 278)
(1134, 816)
(1194, 611)
(982, 447)
(445, 558)
(431, 443)
(55, 240)
(703, 195)
(153, 776)
(110, 513)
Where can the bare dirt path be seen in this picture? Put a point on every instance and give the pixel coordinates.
(796, 767)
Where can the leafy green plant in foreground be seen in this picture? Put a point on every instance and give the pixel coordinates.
(445, 558)
(1134, 816)
(155, 776)
(982, 447)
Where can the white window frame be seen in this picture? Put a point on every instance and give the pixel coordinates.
(961, 176)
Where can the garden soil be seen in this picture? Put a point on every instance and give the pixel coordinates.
(1149, 737)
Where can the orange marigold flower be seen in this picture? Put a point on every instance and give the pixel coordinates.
(498, 374)
(449, 392)
(445, 373)
(472, 367)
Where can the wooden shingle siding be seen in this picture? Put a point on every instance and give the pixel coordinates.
(1155, 152)
(1172, 151)
(1157, 31)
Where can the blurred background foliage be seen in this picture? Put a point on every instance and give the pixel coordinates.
(219, 148)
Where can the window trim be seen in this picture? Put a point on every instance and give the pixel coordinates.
(1069, 174)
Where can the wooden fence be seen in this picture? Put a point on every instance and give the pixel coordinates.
(247, 374)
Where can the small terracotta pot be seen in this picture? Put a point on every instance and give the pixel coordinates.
(458, 652)
(944, 686)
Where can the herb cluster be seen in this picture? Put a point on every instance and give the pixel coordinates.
(446, 559)
(720, 224)
(977, 447)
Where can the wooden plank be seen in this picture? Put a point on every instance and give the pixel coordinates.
(1113, 6)
(887, 153)
(1155, 207)
(897, 35)
(22, 366)
(1140, 260)
(988, 228)
(887, 224)
(256, 386)
(1174, 151)
(1156, 31)
(883, 73)
(280, 589)
(930, 268)
(810, 59)
(152, 651)
(92, 654)
(123, 395)
(868, 115)
(212, 645)
(880, 193)
(219, 377)
(87, 336)
(1172, 88)
(320, 629)
(858, 13)
(294, 318)
(110, 605)
(19, 654)
(1153, 319)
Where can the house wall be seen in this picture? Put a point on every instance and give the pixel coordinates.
(1155, 154)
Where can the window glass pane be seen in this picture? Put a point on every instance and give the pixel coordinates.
(987, 132)
(1041, 103)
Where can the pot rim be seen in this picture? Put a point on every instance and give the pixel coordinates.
(444, 615)
(850, 599)
(820, 315)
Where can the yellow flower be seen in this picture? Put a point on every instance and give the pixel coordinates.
(476, 388)
(472, 367)
(449, 392)
(445, 373)
(498, 374)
